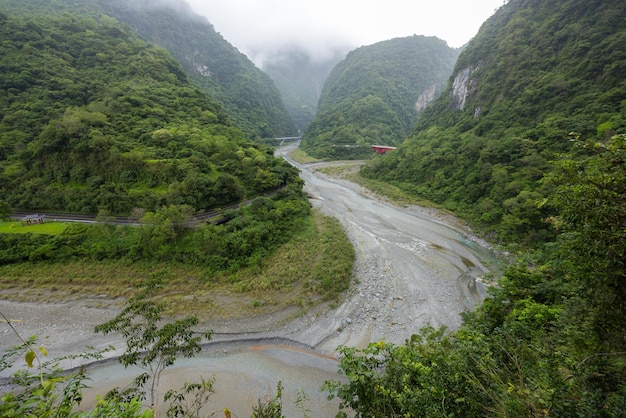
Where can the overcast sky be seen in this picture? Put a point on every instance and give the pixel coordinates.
(261, 26)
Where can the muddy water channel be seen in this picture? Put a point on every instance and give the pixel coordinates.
(244, 372)
(413, 268)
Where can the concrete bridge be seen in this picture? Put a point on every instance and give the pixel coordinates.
(288, 138)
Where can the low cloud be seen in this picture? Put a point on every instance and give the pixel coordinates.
(257, 28)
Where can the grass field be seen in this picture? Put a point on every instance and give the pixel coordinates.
(302, 157)
(50, 228)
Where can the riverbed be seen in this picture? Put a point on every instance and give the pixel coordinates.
(413, 268)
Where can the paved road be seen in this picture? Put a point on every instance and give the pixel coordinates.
(197, 219)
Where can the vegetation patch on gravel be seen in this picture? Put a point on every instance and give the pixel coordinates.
(349, 170)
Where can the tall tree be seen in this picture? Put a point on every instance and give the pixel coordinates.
(590, 196)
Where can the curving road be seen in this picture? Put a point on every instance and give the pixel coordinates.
(214, 217)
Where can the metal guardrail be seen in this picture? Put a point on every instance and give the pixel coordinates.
(206, 217)
(213, 217)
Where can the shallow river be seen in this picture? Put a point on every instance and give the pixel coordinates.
(242, 377)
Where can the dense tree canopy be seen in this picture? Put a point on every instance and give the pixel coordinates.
(249, 97)
(94, 118)
(374, 95)
(548, 342)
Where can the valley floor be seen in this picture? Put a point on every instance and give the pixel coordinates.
(411, 270)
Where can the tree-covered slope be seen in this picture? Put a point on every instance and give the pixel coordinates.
(537, 71)
(374, 95)
(248, 95)
(300, 78)
(93, 118)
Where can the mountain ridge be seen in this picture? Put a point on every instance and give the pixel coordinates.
(96, 119)
(250, 97)
(217, 67)
(537, 71)
(371, 95)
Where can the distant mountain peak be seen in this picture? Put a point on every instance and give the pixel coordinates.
(376, 93)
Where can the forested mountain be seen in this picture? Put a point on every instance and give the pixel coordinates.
(248, 95)
(374, 95)
(530, 132)
(538, 74)
(94, 118)
(300, 78)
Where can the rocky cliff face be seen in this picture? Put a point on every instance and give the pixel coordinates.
(426, 97)
(376, 93)
(535, 72)
(462, 86)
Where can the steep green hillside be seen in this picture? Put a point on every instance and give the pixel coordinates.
(538, 73)
(248, 95)
(93, 118)
(300, 78)
(375, 94)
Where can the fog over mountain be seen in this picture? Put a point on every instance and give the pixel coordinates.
(261, 29)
